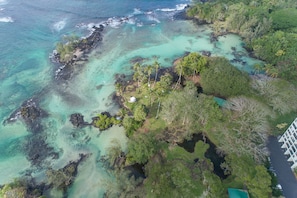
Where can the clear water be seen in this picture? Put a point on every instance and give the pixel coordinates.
(29, 31)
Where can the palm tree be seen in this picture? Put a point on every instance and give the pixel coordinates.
(258, 68)
(157, 65)
(149, 70)
(180, 70)
(119, 88)
(271, 70)
(122, 112)
(137, 73)
(274, 72)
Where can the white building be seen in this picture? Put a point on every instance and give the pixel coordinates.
(289, 143)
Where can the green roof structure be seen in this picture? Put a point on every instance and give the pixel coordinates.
(220, 101)
(237, 193)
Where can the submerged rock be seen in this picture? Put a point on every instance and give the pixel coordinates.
(22, 188)
(206, 53)
(37, 149)
(64, 177)
(119, 160)
(213, 38)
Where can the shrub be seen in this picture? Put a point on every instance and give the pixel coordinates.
(223, 79)
(104, 121)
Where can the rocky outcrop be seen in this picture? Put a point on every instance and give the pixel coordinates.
(119, 160)
(30, 113)
(237, 56)
(66, 69)
(206, 53)
(77, 120)
(64, 177)
(35, 146)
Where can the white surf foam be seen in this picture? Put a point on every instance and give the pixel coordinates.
(2, 2)
(58, 26)
(137, 11)
(6, 19)
(153, 17)
(116, 22)
(178, 7)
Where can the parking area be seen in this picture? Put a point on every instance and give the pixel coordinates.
(282, 169)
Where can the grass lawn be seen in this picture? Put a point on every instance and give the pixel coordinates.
(282, 122)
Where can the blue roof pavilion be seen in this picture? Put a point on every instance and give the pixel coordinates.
(237, 193)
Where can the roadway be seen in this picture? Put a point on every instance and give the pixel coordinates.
(282, 169)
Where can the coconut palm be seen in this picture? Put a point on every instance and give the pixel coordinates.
(149, 69)
(138, 73)
(257, 68)
(156, 65)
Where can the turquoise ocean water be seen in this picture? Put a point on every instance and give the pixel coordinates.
(29, 31)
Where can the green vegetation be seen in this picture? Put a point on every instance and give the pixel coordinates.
(104, 121)
(141, 147)
(66, 49)
(190, 65)
(266, 26)
(279, 50)
(279, 94)
(61, 178)
(19, 188)
(223, 79)
(187, 112)
(170, 114)
(281, 18)
(282, 122)
(122, 183)
(131, 125)
(254, 177)
(173, 105)
(13, 190)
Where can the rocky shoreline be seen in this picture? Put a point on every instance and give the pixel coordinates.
(66, 69)
(35, 147)
(60, 179)
(30, 113)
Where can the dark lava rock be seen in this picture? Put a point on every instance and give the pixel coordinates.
(77, 120)
(137, 59)
(206, 53)
(31, 114)
(64, 177)
(37, 149)
(182, 15)
(92, 40)
(213, 38)
(66, 69)
(120, 160)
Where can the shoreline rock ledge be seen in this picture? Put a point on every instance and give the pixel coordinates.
(79, 56)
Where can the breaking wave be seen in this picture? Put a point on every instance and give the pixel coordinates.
(6, 19)
(58, 26)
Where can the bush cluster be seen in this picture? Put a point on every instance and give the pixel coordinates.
(103, 121)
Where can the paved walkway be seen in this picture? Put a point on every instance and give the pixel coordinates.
(282, 169)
